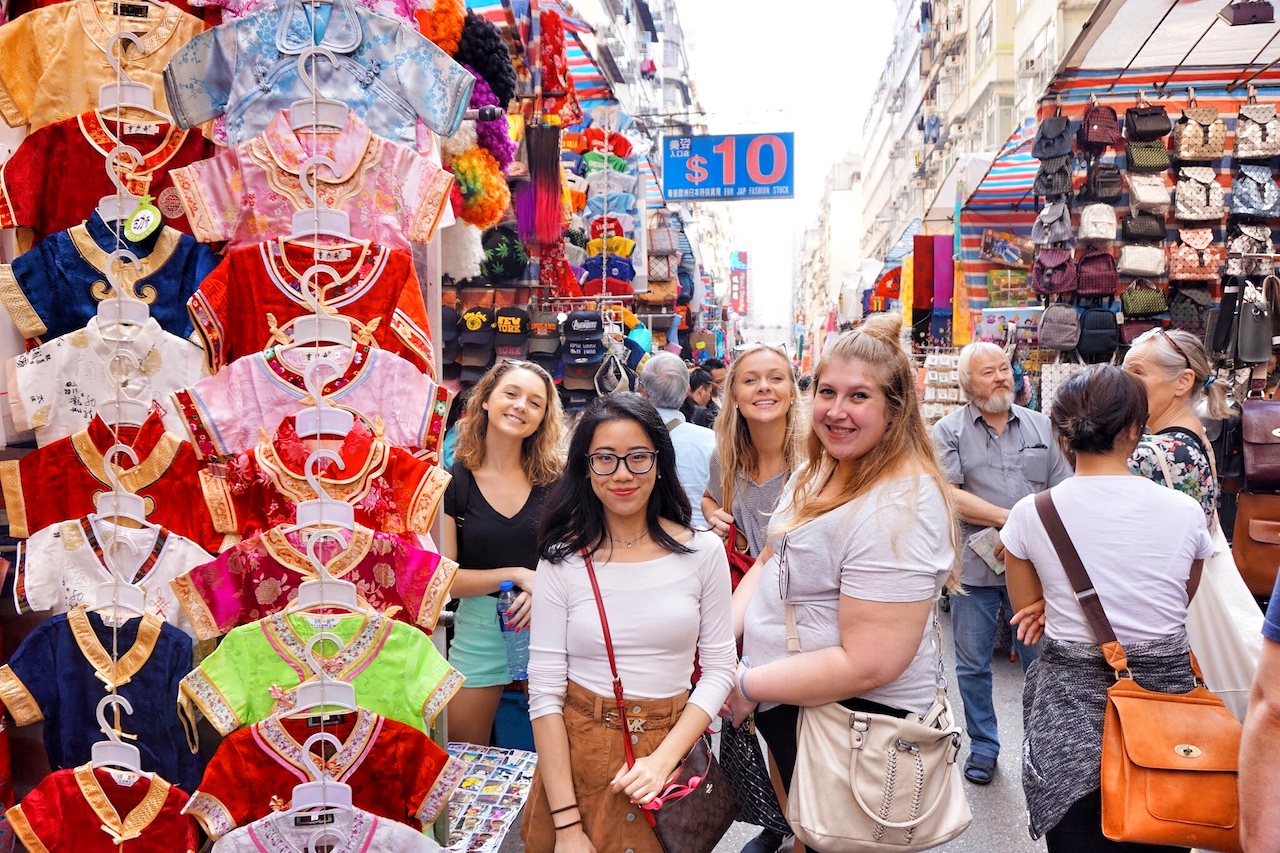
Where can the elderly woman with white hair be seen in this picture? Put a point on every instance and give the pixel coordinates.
(993, 453)
(1223, 622)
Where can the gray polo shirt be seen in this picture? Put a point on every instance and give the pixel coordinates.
(1000, 468)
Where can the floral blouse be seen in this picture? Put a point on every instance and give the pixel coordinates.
(1188, 462)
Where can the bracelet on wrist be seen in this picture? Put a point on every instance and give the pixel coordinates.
(742, 687)
(565, 809)
(577, 822)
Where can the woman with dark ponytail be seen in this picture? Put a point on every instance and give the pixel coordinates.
(1143, 546)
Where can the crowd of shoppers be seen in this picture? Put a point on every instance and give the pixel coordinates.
(856, 518)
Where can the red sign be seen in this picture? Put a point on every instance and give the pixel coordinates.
(738, 283)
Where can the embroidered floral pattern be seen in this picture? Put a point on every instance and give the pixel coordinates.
(440, 793)
(212, 814)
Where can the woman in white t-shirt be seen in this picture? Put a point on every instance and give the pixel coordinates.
(665, 593)
(861, 545)
(1143, 546)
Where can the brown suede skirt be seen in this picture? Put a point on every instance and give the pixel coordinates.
(596, 754)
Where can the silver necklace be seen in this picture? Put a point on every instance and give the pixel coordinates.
(632, 542)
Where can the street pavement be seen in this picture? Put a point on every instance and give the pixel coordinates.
(999, 809)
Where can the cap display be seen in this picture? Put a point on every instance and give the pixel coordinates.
(544, 333)
(449, 322)
(512, 337)
(553, 364)
(504, 255)
(476, 356)
(574, 400)
(583, 326)
(583, 352)
(613, 377)
(477, 327)
(580, 377)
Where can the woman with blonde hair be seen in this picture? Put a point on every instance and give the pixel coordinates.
(860, 547)
(508, 454)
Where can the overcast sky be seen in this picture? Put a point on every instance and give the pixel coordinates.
(807, 66)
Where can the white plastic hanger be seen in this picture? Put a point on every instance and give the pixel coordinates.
(118, 307)
(317, 220)
(119, 503)
(323, 418)
(125, 93)
(325, 591)
(321, 793)
(120, 594)
(320, 326)
(121, 410)
(322, 691)
(114, 752)
(113, 208)
(323, 511)
(316, 111)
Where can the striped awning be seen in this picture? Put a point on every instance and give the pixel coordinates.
(1007, 184)
(588, 81)
(652, 189)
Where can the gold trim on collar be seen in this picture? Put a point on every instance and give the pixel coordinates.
(277, 544)
(14, 503)
(24, 316)
(135, 479)
(18, 699)
(91, 19)
(136, 821)
(120, 673)
(349, 489)
(130, 274)
(22, 828)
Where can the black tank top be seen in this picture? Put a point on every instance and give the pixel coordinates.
(489, 539)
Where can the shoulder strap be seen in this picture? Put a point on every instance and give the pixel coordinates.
(462, 481)
(613, 664)
(1074, 567)
(673, 423)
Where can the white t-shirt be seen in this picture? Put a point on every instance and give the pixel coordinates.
(660, 612)
(892, 544)
(1136, 539)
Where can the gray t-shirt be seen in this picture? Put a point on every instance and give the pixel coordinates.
(753, 503)
(893, 544)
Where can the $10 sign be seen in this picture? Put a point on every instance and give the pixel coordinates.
(725, 168)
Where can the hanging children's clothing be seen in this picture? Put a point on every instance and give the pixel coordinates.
(359, 832)
(65, 666)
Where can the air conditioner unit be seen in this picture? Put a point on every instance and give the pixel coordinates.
(1030, 68)
(920, 183)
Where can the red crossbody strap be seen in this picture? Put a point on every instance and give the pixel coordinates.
(613, 664)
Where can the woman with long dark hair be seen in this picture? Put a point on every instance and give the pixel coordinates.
(665, 589)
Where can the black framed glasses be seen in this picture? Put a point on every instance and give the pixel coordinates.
(637, 462)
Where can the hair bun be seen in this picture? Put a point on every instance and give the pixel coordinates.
(885, 326)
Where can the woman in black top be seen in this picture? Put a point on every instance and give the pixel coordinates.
(508, 453)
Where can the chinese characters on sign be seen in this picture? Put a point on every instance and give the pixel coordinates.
(727, 168)
(738, 283)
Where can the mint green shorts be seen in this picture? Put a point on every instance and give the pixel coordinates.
(478, 650)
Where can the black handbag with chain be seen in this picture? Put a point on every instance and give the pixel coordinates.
(743, 763)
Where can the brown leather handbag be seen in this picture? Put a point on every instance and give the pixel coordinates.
(1255, 542)
(1260, 425)
(1169, 760)
(698, 805)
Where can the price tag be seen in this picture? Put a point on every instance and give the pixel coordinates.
(323, 255)
(144, 220)
(131, 10)
(141, 129)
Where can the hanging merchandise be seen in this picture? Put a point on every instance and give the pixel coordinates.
(1200, 134)
(1257, 131)
(1053, 225)
(1148, 193)
(1102, 182)
(1254, 192)
(1249, 239)
(1054, 272)
(1143, 228)
(1099, 128)
(1053, 179)
(1053, 137)
(1097, 223)
(347, 829)
(1195, 257)
(1143, 156)
(1199, 196)
(1146, 122)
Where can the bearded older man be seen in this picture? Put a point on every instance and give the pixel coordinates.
(993, 453)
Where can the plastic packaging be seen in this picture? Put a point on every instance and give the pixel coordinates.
(517, 642)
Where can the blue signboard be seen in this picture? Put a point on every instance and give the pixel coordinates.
(726, 168)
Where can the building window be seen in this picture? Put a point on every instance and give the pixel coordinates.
(984, 36)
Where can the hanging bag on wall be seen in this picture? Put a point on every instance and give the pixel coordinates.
(1096, 274)
(1253, 326)
(1148, 193)
(1200, 134)
(1144, 261)
(1147, 156)
(1254, 192)
(1143, 228)
(1053, 179)
(1189, 309)
(1131, 330)
(1055, 374)
(1099, 128)
(1257, 131)
(1054, 272)
(1195, 257)
(1146, 123)
(1053, 225)
(1199, 196)
(1143, 299)
(1249, 239)
(664, 239)
(1097, 223)
(1103, 182)
(1059, 327)
(1169, 760)
(1099, 333)
(1053, 138)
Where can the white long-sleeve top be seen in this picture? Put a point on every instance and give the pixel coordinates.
(660, 612)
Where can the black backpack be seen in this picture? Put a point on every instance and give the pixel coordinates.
(1099, 333)
(1103, 182)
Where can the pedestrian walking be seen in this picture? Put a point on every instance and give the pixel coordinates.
(665, 382)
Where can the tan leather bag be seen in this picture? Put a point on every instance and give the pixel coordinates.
(1255, 542)
(1169, 760)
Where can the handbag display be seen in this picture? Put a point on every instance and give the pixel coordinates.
(1260, 430)
(1059, 327)
(1145, 261)
(664, 267)
(1052, 377)
(1099, 128)
(1146, 156)
(1143, 228)
(1249, 239)
(1053, 138)
(1054, 272)
(1131, 330)
(1096, 274)
(1200, 134)
(1257, 132)
(1148, 193)
(1198, 196)
(1169, 760)
(1053, 225)
(872, 782)
(1189, 309)
(696, 808)
(1253, 325)
(1097, 223)
(1195, 257)
(659, 293)
(664, 238)
(1143, 299)
(1099, 334)
(1146, 123)
(1103, 182)
(1254, 192)
(1256, 540)
(1053, 178)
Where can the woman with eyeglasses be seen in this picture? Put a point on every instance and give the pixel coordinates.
(860, 548)
(665, 592)
(507, 456)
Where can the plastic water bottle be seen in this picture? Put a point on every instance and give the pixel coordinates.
(517, 642)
